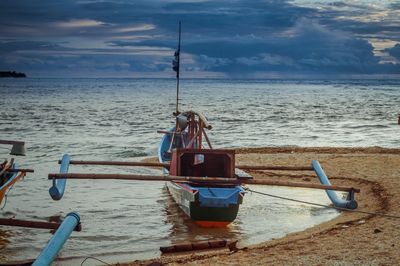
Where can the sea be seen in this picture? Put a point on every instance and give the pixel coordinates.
(118, 119)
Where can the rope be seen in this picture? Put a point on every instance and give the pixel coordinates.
(93, 258)
(326, 206)
(6, 196)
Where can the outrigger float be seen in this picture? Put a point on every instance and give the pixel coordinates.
(11, 174)
(203, 181)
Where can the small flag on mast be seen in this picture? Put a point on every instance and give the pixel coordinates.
(175, 63)
(175, 67)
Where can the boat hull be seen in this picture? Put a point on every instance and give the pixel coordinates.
(207, 206)
(217, 211)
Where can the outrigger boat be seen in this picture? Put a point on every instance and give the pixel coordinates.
(181, 148)
(207, 204)
(204, 182)
(9, 175)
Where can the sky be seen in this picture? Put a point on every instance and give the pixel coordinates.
(220, 38)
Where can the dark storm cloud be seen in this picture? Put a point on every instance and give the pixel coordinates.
(309, 47)
(370, 19)
(227, 37)
(7, 47)
(394, 51)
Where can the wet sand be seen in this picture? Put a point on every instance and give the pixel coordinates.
(350, 239)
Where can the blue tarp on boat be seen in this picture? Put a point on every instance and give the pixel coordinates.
(218, 197)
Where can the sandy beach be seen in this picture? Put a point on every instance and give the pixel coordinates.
(350, 239)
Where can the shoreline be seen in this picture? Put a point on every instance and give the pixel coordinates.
(351, 238)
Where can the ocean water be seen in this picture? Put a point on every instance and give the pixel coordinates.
(117, 119)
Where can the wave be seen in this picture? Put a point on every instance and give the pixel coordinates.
(375, 126)
(131, 153)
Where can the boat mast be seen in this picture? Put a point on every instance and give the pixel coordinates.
(175, 67)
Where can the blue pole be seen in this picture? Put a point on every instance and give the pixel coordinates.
(58, 188)
(349, 203)
(55, 244)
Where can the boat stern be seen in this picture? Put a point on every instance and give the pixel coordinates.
(216, 207)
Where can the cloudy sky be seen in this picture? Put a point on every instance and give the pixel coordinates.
(220, 38)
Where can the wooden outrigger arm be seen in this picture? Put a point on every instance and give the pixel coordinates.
(166, 165)
(33, 224)
(200, 180)
(118, 163)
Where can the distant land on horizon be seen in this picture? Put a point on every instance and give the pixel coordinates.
(11, 74)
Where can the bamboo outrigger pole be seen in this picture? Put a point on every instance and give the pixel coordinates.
(204, 180)
(33, 224)
(26, 170)
(150, 164)
(118, 163)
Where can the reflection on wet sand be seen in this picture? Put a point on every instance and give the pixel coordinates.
(4, 235)
(183, 229)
